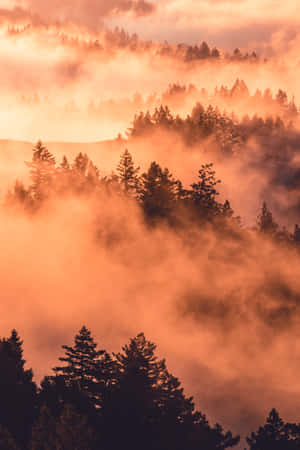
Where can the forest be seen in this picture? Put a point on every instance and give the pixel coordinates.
(99, 400)
(149, 225)
(96, 399)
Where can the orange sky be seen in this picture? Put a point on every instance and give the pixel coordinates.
(225, 22)
(45, 282)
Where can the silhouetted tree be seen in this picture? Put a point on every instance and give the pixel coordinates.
(275, 435)
(265, 221)
(158, 192)
(128, 173)
(17, 390)
(90, 369)
(149, 408)
(204, 193)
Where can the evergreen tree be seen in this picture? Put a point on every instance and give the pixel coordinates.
(158, 192)
(42, 172)
(149, 408)
(275, 435)
(204, 193)
(265, 221)
(128, 173)
(86, 367)
(17, 390)
(19, 196)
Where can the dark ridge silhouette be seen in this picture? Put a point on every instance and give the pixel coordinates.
(98, 400)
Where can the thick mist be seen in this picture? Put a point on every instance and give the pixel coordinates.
(222, 303)
(227, 323)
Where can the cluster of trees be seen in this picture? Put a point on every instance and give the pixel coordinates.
(262, 100)
(226, 131)
(97, 400)
(203, 123)
(188, 53)
(191, 53)
(110, 40)
(177, 96)
(161, 197)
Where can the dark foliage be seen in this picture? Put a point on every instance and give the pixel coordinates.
(102, 401)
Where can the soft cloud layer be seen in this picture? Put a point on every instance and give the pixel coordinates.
(227, 23)
(83, 12)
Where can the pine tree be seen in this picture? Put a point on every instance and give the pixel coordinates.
(42, 172)
(203, 194)
(19, 196)
(128, 173)
(150, 410)
(275, 435)
(86, 367)
(84, 174)
(265, 221)
(158, 192)
(17, 390)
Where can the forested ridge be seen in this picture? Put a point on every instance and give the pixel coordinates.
(97, 400)
(161, 197)
(149, 225)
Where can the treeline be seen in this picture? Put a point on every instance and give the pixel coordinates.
(109, 41)
(161, 197)
(227, 131)
(102, 401)
(266, 100)
(178, 95)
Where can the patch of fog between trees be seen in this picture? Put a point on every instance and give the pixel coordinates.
(224, 312)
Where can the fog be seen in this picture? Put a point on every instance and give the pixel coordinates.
(223, 308)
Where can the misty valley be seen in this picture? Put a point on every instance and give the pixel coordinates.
(149, 225)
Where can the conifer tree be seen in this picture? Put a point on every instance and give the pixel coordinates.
(42, 172)
(88, 368)
(17, 390)
(265, 221)
(204, 193)
(150, 410)
(128, 173)
(158, 192)
(275, 435)
(19, 196)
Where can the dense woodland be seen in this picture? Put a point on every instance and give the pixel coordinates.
(97, 400)
(161, 197)
(197, 249)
